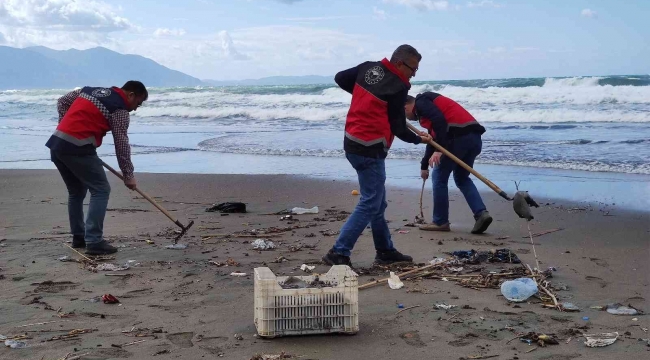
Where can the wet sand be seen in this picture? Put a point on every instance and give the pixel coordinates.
(194, 309)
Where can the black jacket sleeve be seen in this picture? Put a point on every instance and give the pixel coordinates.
(347, 78)
(425, 108)
(397, 119)
(424, 164)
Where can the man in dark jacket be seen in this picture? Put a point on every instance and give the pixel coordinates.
(455, 129)
(85, 116)
(376, 116)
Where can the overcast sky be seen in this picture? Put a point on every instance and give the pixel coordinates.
(241, 39)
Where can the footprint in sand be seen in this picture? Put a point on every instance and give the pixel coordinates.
(600, 262)
(183, 340)
(600, 281)
(413, 338)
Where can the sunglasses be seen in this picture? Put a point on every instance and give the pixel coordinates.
(412, 69)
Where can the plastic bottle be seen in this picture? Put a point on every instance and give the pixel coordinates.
(519, 289)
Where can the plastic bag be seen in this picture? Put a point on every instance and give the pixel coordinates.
(519, 289)
(394, 282)
(300, 211)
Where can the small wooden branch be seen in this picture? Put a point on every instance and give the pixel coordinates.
(408, 308)
(82, 255)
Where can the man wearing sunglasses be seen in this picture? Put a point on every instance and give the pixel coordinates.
(85, 116)
(376, 116)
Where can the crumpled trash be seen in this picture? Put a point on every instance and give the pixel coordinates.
(619, 309)
(477, 257)
(437, 261)
(445, 306)
(286, 217)
(301, 211)
(176, 247)
(569, 307)
(394, 282)
(455, 269)
(261, 244)
(109, 299)
(111, 267)
(15, 344)
(228, 207)
(240, 274)
(3, 338)
(519, 290)
(307, 268)
(540, 339)
(66, 258)
(600, 340)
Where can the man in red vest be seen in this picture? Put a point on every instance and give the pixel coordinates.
(376, 116)
(85, 116)
(455, 129)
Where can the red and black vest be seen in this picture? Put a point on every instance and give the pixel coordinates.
(459, 121)
(367, 127)
(86, 122)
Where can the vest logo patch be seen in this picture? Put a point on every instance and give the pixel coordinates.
(374, 75)
(100, 93)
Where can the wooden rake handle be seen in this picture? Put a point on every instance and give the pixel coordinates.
(462, 164)
(144, 195)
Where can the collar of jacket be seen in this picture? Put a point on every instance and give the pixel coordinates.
(394, 70)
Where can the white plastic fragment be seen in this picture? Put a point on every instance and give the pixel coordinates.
(15, 344)
(307, 268)
(437, 261)
(262, 244)
(394, 282)
(240, 274)
(300, 211)
(600, 340)
(618, 309)
(455, 269)
(519, 290)
(111, 267)
(176, 247)
(445, 306)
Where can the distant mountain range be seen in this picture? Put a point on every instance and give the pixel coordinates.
(44, 68)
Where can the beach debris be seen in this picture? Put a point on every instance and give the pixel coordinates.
(176, 247)
(109, 299)
(445, 306)
(15, 344)
(455, 269)
(228, 207)
(635, 319)
(394, 282)
(239, 337)
(569, 307)
(286, 217)
(600, 340)
(239, 274)
(437, 261)
(405, 309)
(521, 204)
(540, 339)
(110, 267)
(263, 244)
(585, 318)
(66, 258)
(271, 357)
(229, 262)
(543, 233)
(619, 309)
(301, 211)
(495, 255)
(150, 242)
(519, 290)
(356, 192)
(329, 232)
(307, 268)
(403, 231)
(72, 334)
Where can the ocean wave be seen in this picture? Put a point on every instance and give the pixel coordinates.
(255, 113)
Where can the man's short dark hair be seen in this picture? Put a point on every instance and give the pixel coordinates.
(137, 88)
(405, 52)
(409, 99)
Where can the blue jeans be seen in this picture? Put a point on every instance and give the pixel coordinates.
(369, 210)
(81, 173)
(466, 148)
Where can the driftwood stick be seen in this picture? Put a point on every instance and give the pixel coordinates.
(557, 306)
(532, 242)
(544, 232)
(408, 308)
(376, 282)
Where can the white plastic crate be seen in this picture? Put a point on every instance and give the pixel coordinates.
(282, 312)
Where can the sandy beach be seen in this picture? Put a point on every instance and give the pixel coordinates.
(181, 304)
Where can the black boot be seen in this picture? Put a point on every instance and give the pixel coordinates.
(100, 248)
(78, 241)
(390, 257)
(482, 222)
(333, 258)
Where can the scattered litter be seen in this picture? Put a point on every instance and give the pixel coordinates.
(3, 338)
(262, 244)
(569, 307)
(619, 309)
(228, 207)
(585, 318)
(239, 337)
(131, 263)
(403, 231)
(477, 257)
(109, 299)
(15, 344)
(150, 242)
(400, 306)
(176, 247)
(635, 319)
(286, 217)
(66, 258)
(240, 274)
(540, 339)
(355, 192)
(597, 307)
(600, 340)
(455, 269)
(445, 306)
(519, 290)
(307, 268)
(271, 357)
(394, 282)
(437, 261)
(96, 299)
(301, 211)
(444, 279)
(110, 267)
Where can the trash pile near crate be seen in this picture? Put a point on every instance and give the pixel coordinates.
(304, 305)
